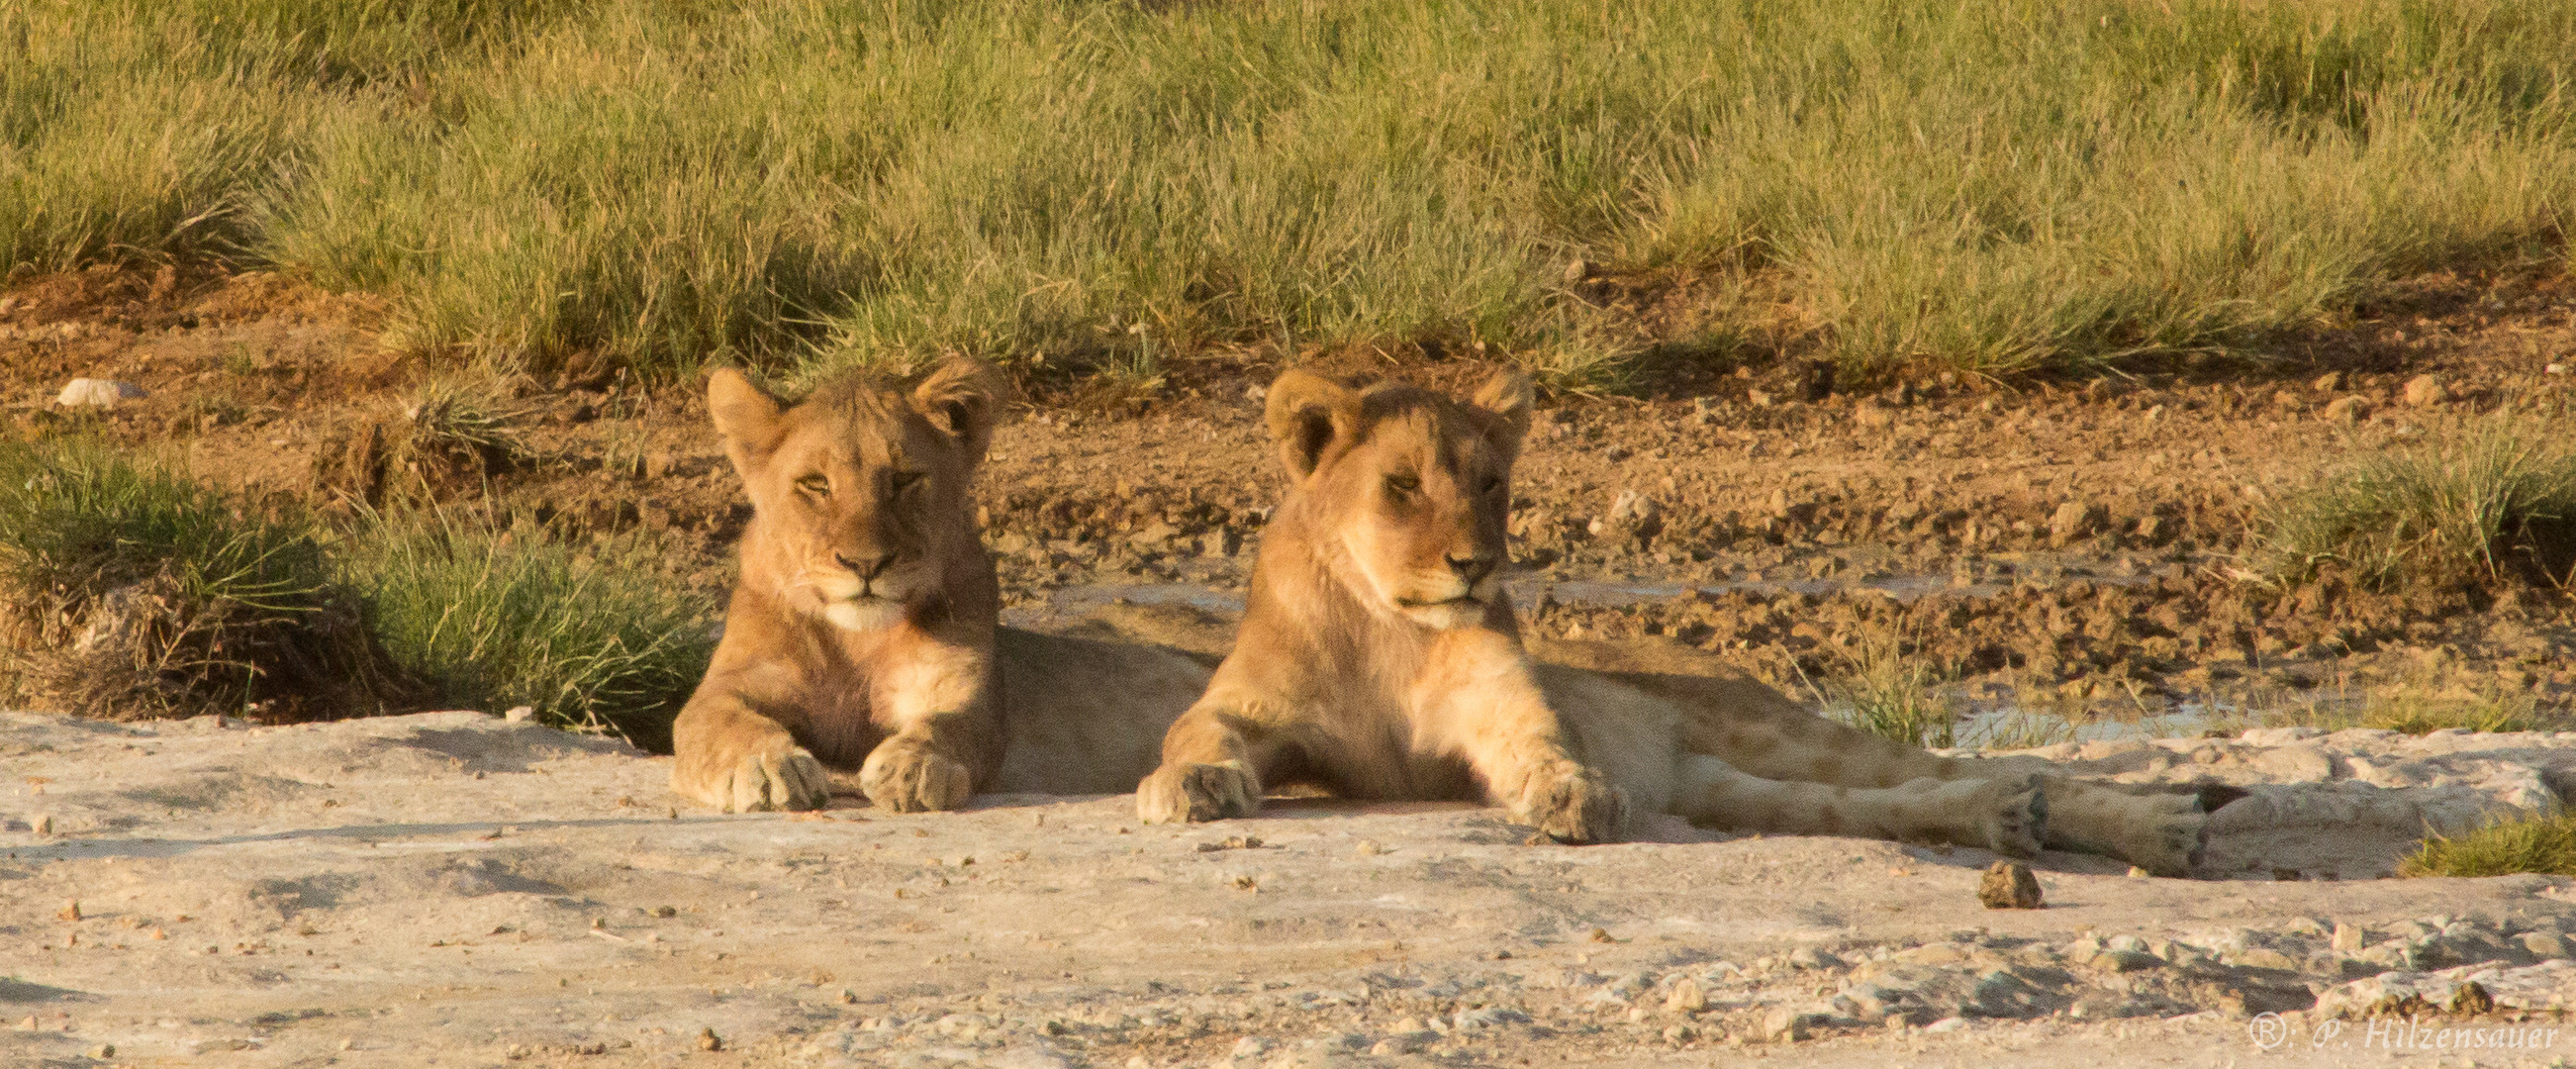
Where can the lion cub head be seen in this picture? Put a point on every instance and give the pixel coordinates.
(1404, 491)
(860, 492)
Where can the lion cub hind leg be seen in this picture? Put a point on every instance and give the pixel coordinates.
(2165, 834)
(766, 770)
(2006, 817)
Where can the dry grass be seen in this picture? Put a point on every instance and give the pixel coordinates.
(2527, 844)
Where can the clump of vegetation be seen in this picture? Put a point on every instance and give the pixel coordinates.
(2497, 501)
(494, 620)
(654, 184)
(131, 591)
(128, 591)
(2545, 844)
(454, 434)
(1889, 694)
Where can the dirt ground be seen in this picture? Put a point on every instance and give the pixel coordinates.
(2078, 547)
(454, 889)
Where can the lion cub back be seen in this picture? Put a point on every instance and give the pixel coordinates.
(1084, 716)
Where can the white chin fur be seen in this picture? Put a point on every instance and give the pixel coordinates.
(1445, 616)
(869, 614)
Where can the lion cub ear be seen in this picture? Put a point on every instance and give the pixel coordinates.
(746, 417)
(1307, 412)
(1506, 397)
(959, 399)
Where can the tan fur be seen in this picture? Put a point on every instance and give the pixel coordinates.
(863, 630)
(1379, 658)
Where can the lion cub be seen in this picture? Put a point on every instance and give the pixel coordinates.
(864, 628)
(1379, 658)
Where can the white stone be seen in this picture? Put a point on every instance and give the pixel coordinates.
(97, 393)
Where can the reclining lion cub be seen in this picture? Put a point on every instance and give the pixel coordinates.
(863, 630)
(1379, 658)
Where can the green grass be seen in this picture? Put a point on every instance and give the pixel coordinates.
(129, 591)
(486, 621)
(2494, 500)
(132, 591)
(2524, 844)
(1889, 694)
(2000, 187)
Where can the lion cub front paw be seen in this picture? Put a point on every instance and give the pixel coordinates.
(908, 776)
(1571, 804)
(771, 772)
(1192, 792)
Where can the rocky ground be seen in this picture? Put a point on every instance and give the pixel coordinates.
(458, 889)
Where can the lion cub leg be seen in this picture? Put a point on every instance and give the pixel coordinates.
(1484, 702)
(2162, 833)
(2009, 819)
(937, 701)
(738, 761)
(1214, 758)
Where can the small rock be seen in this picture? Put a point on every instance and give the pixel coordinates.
(2543, 945)
(520, 714)
(1759, 398)
(43, 824)
(103, 1051)
(1785, 1025)
(2073, 520)
(2346, 410)
(1812, 958)
(1947, 1024)
(2426, 390)
(2558, 369)
(1577, 271)
(1686, 997)
(2009, 885)
(2262, 958)
(2349, 938)
(708, 1040)
(1249, 1047)
(1370, 848)
(70, 912)
(2329, 382)
(97, 393)
(2126, 961)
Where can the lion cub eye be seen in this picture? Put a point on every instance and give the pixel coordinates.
(815, 484)
(1402, 484)
(903, 480)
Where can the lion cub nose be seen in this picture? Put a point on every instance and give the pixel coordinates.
(868, 569)
(1472, 570)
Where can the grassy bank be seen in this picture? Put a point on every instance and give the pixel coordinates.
(2003, 186)
(131, 591)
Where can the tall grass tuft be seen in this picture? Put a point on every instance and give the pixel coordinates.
(491, 621)
(2545, 844)
(1891, 695)
(2018, 185)
(2496, 499)
(131, 591)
